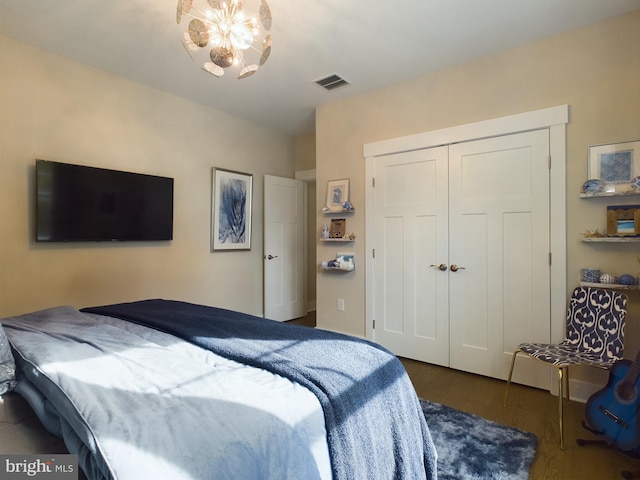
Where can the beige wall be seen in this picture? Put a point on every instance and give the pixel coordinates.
(304, 157)
(595, 70)
(304, 152)
(58, 109)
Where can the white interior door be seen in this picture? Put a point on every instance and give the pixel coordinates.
(499, 237)
(284, 262)
(411, 292)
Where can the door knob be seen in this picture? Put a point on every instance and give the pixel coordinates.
(271, 257)
(442, 267)
(455, 268)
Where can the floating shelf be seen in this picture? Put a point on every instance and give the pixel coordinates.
(615, 286)
(336, 269)
(628, 193)
(611, 239)
(343, 239)
(332, 212)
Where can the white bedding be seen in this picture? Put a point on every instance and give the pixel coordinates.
(198, 415)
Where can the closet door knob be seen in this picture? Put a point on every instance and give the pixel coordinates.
(455, 268)
(442, 267)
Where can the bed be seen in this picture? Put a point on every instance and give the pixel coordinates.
(160, 389)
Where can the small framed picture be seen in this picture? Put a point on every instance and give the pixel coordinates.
(615, 163)
(623, 220)
(337, 228)
(337, 194)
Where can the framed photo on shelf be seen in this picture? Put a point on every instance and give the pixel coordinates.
(231, 210)
(337, 194)
(338, 228)
(615, 163)
(623, 220)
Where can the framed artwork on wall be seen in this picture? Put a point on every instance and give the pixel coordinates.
(231, 210)
(615, 163)
(337, 194)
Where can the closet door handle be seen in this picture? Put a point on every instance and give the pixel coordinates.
(442, 267)
(455, 268)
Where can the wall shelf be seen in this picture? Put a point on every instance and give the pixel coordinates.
(615, 286)
(334, 212)
(609, 194)
(611, 239)
(343, 239)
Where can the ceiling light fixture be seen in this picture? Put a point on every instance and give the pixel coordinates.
(228, 32)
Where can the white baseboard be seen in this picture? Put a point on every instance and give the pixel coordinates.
(580, 391)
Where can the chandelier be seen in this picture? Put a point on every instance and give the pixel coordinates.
(230, 36)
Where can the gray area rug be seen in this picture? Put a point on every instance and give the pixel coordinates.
(472, 447)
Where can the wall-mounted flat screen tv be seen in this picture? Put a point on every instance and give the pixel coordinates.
(76, 203)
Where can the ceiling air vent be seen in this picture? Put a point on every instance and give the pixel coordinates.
(331, 82)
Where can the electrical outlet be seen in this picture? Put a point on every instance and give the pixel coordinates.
(341, 304)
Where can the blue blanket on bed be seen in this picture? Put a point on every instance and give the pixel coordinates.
(375, 425)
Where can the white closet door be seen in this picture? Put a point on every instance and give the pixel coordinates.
(499, 236)
(411, 299)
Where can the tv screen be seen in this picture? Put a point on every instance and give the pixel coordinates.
(76, 203)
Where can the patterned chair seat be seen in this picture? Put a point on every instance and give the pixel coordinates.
(563, 355)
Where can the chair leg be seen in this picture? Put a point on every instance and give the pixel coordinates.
(561, 405)
(513, 362)
(566, 385)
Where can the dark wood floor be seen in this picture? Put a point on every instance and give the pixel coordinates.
(529, 409)
(309, 320)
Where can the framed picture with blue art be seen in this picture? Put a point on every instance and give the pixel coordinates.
(231, 210)
(337, 194)
(616, 163)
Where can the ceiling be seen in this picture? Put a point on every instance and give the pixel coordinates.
(369, 46)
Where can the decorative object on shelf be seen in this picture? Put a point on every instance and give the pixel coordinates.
(337, 195)
(607, 278)
(230, 34)
(591, 275)
(324, 233)
(347, 238)
(338, 227)
(615, 163)
(347, 206)
(635, 183)
(231, 207)
(627, 279)
(623, 220)
(592, 233)
(342, 262)
(592, 186)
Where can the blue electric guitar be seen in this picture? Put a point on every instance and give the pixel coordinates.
(613, 411)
